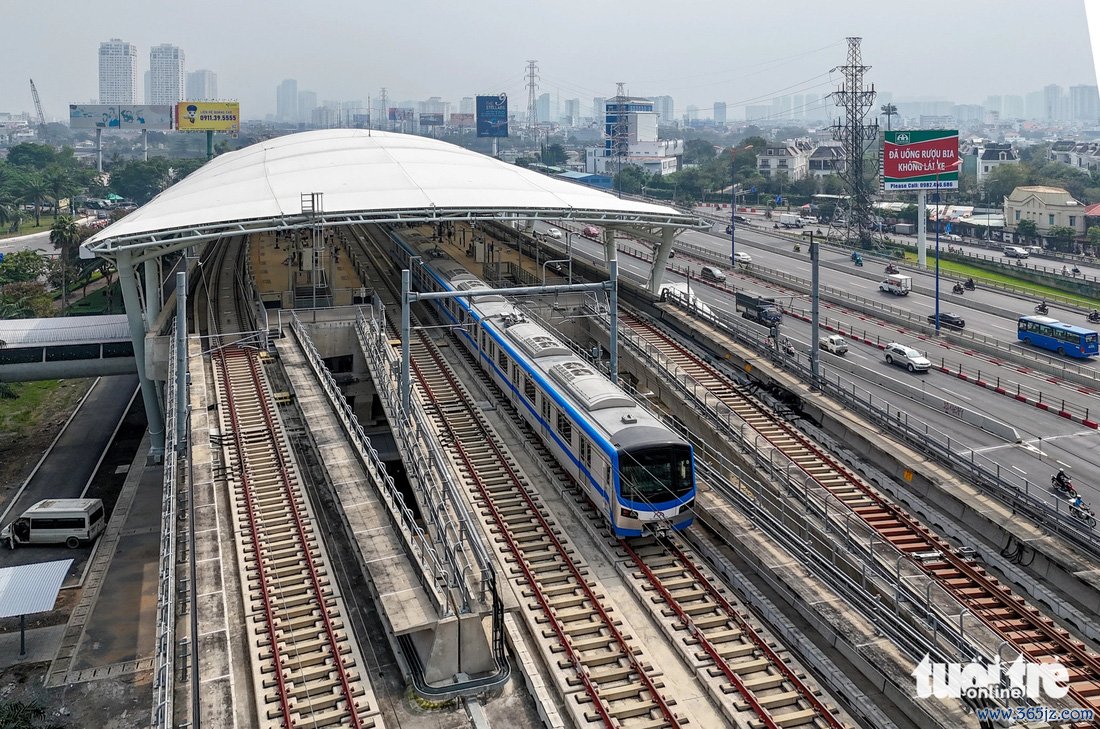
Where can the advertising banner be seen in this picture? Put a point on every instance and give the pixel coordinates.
(492, 115)
(431, 120)
(921, 160)
(462, 120)
(208, 116)
(400, 113)
(122, 117)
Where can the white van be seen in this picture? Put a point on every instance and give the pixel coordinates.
(57, 521)
(1015, 252)
(710, 273)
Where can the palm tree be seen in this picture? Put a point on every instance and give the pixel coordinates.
(60, 186)
(64, 234)
(35, 190)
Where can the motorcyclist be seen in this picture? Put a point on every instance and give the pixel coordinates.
(1062, 480)
(1077, 502)
(970, 283)
(1094, 316)
(1041, 307)
(957, 288)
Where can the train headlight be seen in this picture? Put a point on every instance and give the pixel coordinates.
(628, 513)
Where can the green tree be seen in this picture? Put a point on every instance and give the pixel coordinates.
(1094, 235)
(35, 190)
(25, 299)
(25, 265)
(64, 235)
(140, 181)
(698, 151)
(32, 156)
(631, 179)
(1004, 179)
(554, 154)
(908, 214)
(60, 185)
(1027, 228)
(1062, 237)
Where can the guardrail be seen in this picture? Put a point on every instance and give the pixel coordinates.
(1003, 484)
(432, 573)
(164, 660)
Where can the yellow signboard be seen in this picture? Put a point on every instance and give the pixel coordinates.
(208, 116)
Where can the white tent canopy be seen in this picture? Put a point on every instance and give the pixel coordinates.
(364, 176)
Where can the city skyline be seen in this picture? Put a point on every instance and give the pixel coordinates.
(960, 58)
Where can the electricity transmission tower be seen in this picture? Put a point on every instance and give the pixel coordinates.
(532, 87)
(856, 138)
(620, 133)
(385, 112)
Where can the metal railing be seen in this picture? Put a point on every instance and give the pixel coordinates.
(432, 572)
(164, 660)
(1004, 484)
(441, 502)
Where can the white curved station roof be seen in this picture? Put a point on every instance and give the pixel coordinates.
(365, 176)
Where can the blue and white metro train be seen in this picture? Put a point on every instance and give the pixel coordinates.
(638, 472)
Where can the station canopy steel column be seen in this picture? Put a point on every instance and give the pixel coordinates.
(366, 177)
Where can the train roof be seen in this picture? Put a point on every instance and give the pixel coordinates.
(64, 330)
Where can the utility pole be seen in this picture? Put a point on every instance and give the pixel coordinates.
(532, 87)
(385, 111)
(856, 138)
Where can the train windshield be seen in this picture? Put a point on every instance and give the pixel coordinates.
(655, 475)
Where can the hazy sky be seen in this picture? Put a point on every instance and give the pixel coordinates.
(696, 52)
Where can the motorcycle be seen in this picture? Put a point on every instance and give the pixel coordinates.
(957, 289)
(891, 268)
(1083, 512)
(1041, 309)
(969, 285)
(1063, 488)
(1094, 316)
(788, 348)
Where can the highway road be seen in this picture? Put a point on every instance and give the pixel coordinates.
(1048, 441)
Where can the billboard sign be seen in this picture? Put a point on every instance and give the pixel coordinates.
(208, 116)
(400, 113)
(463, 121)
(124, 117)
(921, 160)
(492, 115)
(431, 120)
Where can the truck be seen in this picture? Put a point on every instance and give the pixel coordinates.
(790, 220)
(757, 308)
(896, 284)
(905, 229)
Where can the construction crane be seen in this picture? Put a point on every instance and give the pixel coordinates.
(38, 108)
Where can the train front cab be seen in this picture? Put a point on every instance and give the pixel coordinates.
(654, 488)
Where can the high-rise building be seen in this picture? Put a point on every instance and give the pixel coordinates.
(572, 112)
(1033, 106)
(666, 110)
(813, 108)
(202, 85)
(286, 101)
(1012, 107)
(994, 104)
(166, 74)
(1052, 103)
(117, 75)
(543, 112)
(307, 102)
(1084, 104)
(599, 104)
(719, 112)
(466, 105)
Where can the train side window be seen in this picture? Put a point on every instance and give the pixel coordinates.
(607, 475)
(502, 360)
(529, 388)
(565, 428)
(586, 452)
(546, 409)
(515, 373)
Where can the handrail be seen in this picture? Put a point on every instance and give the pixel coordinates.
(417, 544)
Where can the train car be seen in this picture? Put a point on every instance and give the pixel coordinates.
(637, 471)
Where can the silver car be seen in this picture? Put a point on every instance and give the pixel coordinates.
(907, 357)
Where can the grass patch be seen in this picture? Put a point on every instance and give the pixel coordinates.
(26, 228)
(981, 274)
(96, 302)
(28, 409)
